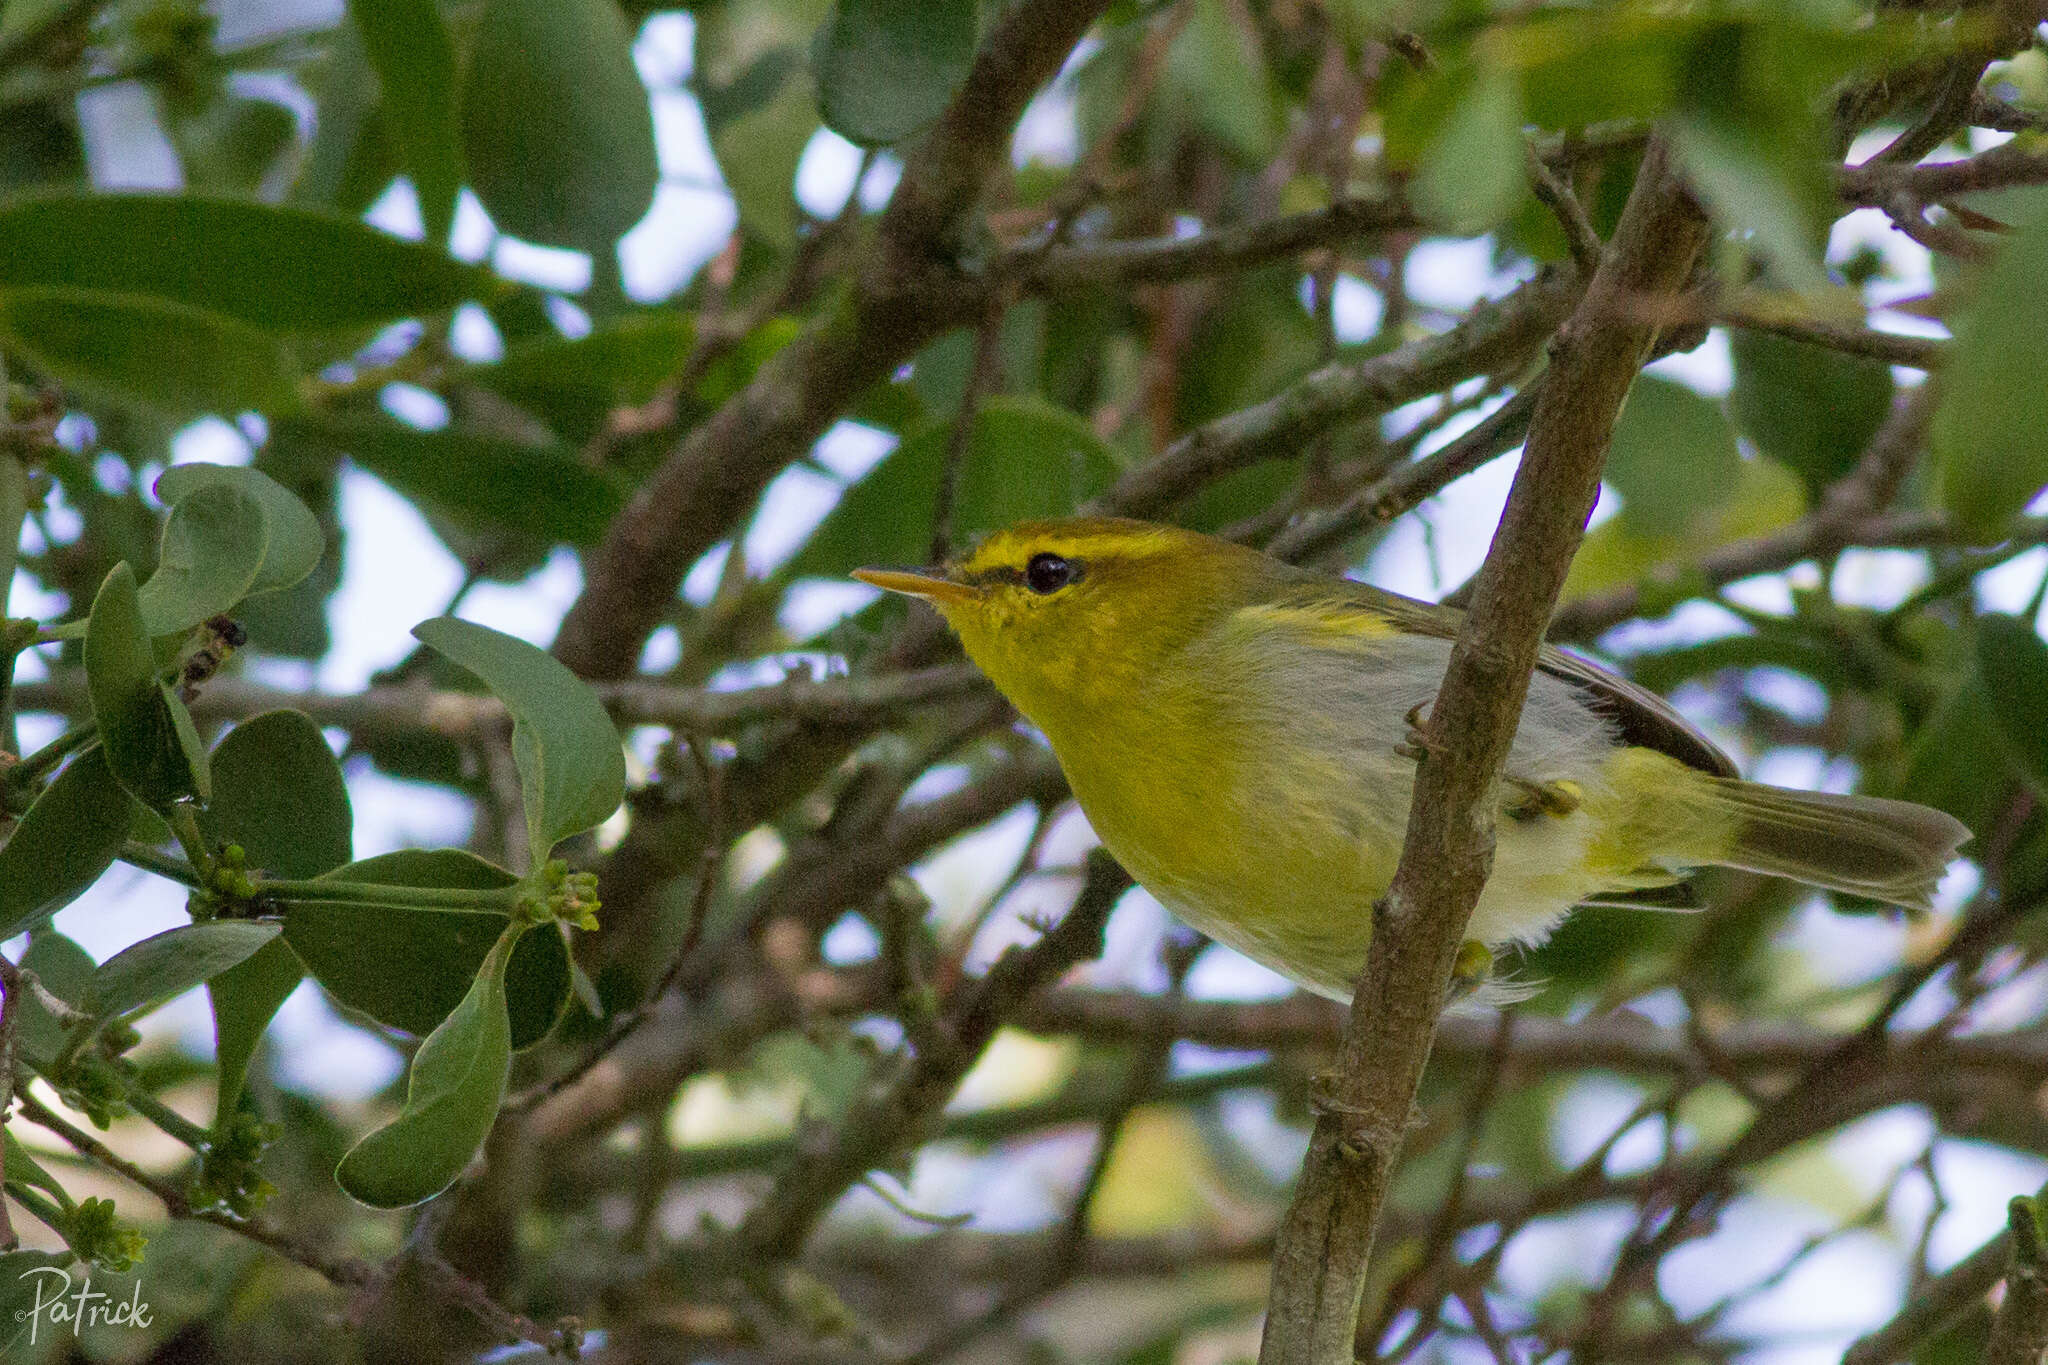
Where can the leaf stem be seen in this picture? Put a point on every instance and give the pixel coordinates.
(167, 1118)
(184, 821)
(317, 891)
(44, 760)
(162, 864)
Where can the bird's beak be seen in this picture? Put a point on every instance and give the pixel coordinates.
(933, 585)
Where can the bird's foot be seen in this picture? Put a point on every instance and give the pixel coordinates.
(1532, 799)
(1417, 743)
(1470, 971)
(1322, 1096)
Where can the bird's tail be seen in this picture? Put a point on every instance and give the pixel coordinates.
(1891, 851)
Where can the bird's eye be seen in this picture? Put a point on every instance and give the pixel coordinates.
(1047, 573)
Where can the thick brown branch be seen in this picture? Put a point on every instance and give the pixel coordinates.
(907, 291)
(1319, 1268)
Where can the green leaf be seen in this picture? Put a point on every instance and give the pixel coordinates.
(1475, 171)
(481, 482)
(245, 998)
(213, 547)
(25, 1169)
(1216, 83)
(407, 967)
(258, 264)
(138, 717)
(1767, 497)
(1986, 435)
(572, 771)
(556, 126)
(414, 58)
(168, 357)
(575, 384)
(279, 793)
(14, 495)
(2013, 662)
(1744, 140)
(1806, 406)
(1960, 759)
(172, 962)
(63, 843)
(294, 541)
(1674, 458)
(65, 969)
(1025, 458)
(758, 148)
(451, 1099)
(888, 68)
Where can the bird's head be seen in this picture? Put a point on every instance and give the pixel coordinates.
(1070, 614)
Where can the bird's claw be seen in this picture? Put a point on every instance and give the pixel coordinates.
(1470, 970)
(1417, 743)
(1560, 797)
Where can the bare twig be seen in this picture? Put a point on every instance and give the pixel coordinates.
(897, 1111)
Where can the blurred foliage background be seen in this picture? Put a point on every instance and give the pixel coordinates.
(1283, 269)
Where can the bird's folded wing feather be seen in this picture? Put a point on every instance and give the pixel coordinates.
(1639, 715)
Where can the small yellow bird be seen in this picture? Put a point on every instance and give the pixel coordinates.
(1241, 735)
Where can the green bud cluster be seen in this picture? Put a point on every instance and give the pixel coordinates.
(228, 1177)
(97, 1235)
(562, 895)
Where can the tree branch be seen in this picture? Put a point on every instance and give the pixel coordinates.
(1319, 1268)
(1043, 270)
(893, 1115)
(907, 290)
(409, 708)
(1493, 337)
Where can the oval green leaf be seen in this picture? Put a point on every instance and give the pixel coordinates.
(406, 967)
(294, 540)
(169, 357)
(572, 770)
(888, 68)
(1806, 406)
(213, 547)
(65, 969)
(2013, 662)
(172, 962)
(414, 58)
(451, 1100)
(1986, 435)
(138, 719)
(245, 998)
(279, 793)
(480, 482)
(283, 269)
(63, 843)
(1674, 459)
(1475, 171)
(557, 129)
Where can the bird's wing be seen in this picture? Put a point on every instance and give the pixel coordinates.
(1640, 716)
